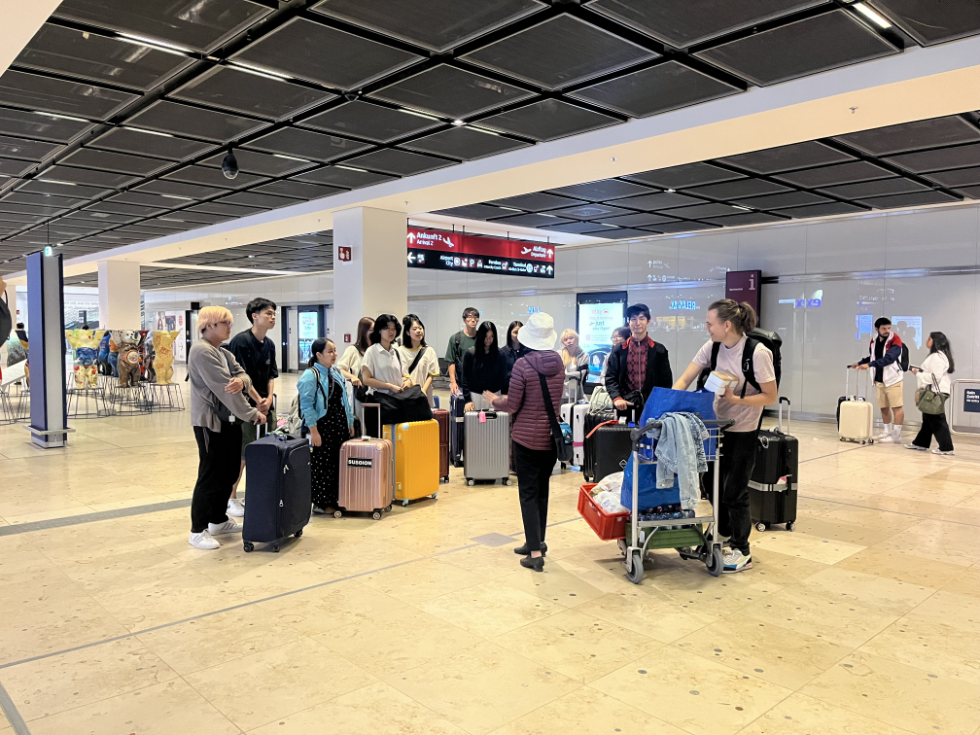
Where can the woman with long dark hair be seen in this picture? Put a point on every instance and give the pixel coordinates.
(484, 368)
(514, 350)
(935, 370)
(328, 415)
(350, 363)
(419, 360)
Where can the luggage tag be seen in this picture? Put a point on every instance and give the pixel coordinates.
(483, 417)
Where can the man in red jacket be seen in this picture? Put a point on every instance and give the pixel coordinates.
(638, 365)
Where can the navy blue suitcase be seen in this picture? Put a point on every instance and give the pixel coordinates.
(278, 490)
(457, 416)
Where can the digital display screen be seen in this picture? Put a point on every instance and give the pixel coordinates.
(598, 315)
(456, 251)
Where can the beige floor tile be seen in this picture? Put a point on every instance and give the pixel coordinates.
(833, 529)
(397, 642)
(868, 481)
(930, 645)
(692, 693)
(587, 712)
(556, 584)
(934, 490)
(802, 715)
(482, 688)
(492, 563)
(647, 614)
(163, 709)
(964, 472)
(804, 546)
(272, 684)
(952, 543)
(784, 657)
(377, 708)
(899, 695)
(603, 572)
(217, 639)
(966, 582)
(707, 598)
(331, 607)
(581, 647)
(427, 579)
(867, 590)
(903, 567)
(90, 675)
(490, 609)
(950, 608)
(846, 624)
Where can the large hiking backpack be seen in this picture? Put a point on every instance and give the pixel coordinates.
(757, 336)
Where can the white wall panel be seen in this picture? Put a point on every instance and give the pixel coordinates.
(780, 249)
(852, 244)
(933, 238)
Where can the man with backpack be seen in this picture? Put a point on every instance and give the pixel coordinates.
(890, 359)
(459, 343)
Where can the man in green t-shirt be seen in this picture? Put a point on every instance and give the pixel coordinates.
(459, 343)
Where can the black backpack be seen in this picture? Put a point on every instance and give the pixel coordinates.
(903, 361)
(757, 336)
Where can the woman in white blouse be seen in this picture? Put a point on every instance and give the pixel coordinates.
(935, 370)
(419, 360)
(381, 369)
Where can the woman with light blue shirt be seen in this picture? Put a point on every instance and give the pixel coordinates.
(327, 413)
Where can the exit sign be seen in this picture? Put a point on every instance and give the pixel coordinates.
(343, 254)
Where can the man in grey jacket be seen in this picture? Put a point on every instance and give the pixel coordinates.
(217, 410)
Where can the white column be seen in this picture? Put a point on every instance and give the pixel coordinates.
(119, 295)
(375, 279)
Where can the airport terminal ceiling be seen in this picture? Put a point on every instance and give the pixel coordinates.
(114, 123)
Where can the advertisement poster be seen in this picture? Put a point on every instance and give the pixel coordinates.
(455, 251)
(309, 330)
(598, 315)
(168, 321)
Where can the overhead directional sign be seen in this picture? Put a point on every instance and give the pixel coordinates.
(458, 252)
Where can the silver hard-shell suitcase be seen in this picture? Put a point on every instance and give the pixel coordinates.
(487, 455)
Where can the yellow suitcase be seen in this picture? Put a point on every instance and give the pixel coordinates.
(416, 449)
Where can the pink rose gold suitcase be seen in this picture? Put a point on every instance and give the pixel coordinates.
(366, 474)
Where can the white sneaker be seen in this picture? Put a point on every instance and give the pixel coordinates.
(203, 540)
(220, 529)
(897, 434)
(939, 451)
(236, 508)
(884, 435)
(736, 562)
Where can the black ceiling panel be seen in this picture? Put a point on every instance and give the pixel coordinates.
(746, 218)
(317, 53)
(157, 145)
(589, 211)
(547, 120)
(373, 122)
(465, 143)
(648, 202)
(637, 220)
(252, 199)
(14, 167)
(125, 209)
(881, 187)
(782, 201)
(251, 93)
(917, 199)
(21, 220)
(138, 199)
(14, 208)
(798, 49)
(44, 200)
(912, 136)
(87, 176)
(621, 233)
(451, 92)
(398, 162)
(260, 164)
(476, 211)
(688, 174)
(207, 176)
(297, 190)
(308, 145)
(41, 186)
(114, 61)
(344, 177)
(669, 229)
(784, 158)
(842, 173)
(560, 52)
(661, 88)
(932, 21)
(179, 189)
(200, 218)
(681, 23)
(703, 211)
(194, 122)
(119, 162)
(600, 191)
(737, 189)
(536, 202)
(822, 210)
(26, 150)
(189, 23)
(543, 221)
(40, 125)
(958, 177)
(438, 25)
(92, 217)
(970, 191)
(961, 156)
(78, 99)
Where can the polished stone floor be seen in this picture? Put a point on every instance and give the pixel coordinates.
(865, 621)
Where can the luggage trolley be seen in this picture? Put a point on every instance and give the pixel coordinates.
(686, 535)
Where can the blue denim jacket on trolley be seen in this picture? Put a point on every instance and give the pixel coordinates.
(680, 451)
(311, 401)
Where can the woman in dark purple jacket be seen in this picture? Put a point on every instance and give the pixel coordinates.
(534, 448)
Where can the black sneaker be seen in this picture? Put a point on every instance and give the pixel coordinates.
(522, 550)
(530, 562)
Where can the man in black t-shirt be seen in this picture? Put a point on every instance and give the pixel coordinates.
(256, 353)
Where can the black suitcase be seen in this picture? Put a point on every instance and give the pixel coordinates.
(278, 489)
(457, 416)
(773, 488)
(592, 420)
(613, 447)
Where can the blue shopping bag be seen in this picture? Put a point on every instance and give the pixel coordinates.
(650, 495)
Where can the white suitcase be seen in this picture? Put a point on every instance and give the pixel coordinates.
(855, 416)
(574, 414)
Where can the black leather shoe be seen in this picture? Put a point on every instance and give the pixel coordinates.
(537, 564)
(522, 550)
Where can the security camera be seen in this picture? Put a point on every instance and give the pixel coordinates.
(229, 166)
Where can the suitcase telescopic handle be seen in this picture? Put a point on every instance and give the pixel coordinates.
(364, 434)
(785, 400)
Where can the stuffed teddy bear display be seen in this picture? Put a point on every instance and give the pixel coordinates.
(102, 360)
(146, 356)
(113, 358)
(128, 344)
(163, 359)
(85, 342)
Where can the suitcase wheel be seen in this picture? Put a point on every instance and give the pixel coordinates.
(471, 483)
(791, 526)
(337, 514)
(298, 533)
(249, 546)
(433, 496)
(275, 547)
(376, 515)
(760, 527)
(404, 504)
(506, 480)
(388, 509)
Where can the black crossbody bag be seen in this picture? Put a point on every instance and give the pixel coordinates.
(563, 441)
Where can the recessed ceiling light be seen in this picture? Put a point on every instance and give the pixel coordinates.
(60, 117)
(174, 196)
(512, 209)
(149, 132)
(739, 206)
(55, 181)
(162, 45)
(259, 70)
(352, 168)
(872, 15)
(291, 158)
(458, 123)
(420, 114)
(671, 191)
(251, 256)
